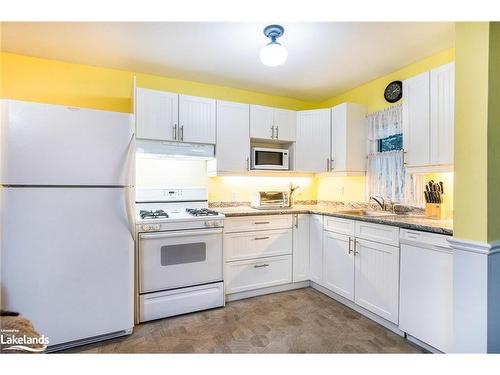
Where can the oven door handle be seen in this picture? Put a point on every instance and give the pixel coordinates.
(185, 233)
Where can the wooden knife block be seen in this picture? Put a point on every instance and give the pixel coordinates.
(434, 210)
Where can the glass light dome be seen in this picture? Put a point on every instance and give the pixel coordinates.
(273, 54)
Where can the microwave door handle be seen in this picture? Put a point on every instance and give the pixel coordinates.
(272, 132)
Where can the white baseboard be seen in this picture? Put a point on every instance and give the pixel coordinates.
(90, 340)
(377, 319)
(269, 290)
(423, 345)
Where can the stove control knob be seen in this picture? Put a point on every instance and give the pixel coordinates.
(208, 224)
(145, 227)
(157, 227)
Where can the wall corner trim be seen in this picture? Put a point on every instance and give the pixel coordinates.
(483, 248)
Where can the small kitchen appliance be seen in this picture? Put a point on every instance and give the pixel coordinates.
(270, 199)
(270, 158)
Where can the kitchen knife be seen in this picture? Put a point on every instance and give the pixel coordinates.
(441, 186)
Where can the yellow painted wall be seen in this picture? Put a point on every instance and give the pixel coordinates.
(347, 189)
(171, 173)
(371, 94)
(240, 188)
(471, 123)
(57, 82)
(494, 134)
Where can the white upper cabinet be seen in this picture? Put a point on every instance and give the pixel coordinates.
(269, 123)
(312, 147)
(232, 150)
(261, 122)
(284, 125)
(196, 119)
(428, 119)
(348, 139)
(442, 82)
(416, 120)
(157, 114)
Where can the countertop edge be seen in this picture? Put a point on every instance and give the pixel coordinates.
(392, 221)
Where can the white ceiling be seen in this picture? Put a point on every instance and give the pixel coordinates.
(324, 58)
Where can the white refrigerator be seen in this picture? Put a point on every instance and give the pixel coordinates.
(67, 227)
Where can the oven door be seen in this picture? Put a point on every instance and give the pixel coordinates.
(176, 259)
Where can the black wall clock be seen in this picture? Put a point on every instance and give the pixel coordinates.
(394, 91)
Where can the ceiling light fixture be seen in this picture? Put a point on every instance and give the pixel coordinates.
(273, 53)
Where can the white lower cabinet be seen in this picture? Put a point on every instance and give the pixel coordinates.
(301, 247)
(376, 275)
(361, 270)
(259, 273)
(316, 249)
(338, 264)
(426, 293)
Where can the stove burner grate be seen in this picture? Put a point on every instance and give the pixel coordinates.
(153, 214)
(201, 212)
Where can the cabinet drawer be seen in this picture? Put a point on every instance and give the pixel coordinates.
(258, 273)
(338, 225)
(248, 245)
(258, 222)
(377, 232)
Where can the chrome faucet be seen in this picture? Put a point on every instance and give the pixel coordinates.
(386, 206)
(292, 191)
(379, 200)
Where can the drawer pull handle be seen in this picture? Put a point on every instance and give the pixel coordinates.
(261, 238)
(261, 222)
(261, 265)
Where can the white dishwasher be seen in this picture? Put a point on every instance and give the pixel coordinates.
(426, 288)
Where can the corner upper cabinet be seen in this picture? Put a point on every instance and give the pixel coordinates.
(273, 124)
(416, 120)
(312, 147)
(157, 115)
(232, 150)
(348, 139)
(197, 119)
(428, 120)
(442, 86)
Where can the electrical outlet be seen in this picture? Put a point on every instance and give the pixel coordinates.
(234, 196)
(341, 191)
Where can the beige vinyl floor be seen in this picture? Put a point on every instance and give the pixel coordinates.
(298, 321)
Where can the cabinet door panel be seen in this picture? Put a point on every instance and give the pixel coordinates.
(233, 139)
(338, 264)
(284, 124)
(196, 119)
(261, 122)
(301, 248)
(156, 114)
(416, 120)
(442, 88)
(377, 278)
(312, 147)
(316, 249)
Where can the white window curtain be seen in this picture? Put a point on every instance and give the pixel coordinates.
(386, 175)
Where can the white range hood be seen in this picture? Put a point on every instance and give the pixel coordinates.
(149, 149)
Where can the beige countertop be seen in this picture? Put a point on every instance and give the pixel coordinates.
(411, 221)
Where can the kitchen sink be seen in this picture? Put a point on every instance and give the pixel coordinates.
(367, 213)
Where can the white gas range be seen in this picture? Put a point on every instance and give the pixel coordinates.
(179, 253)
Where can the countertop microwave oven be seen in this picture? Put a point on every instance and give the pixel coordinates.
(270, 158)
